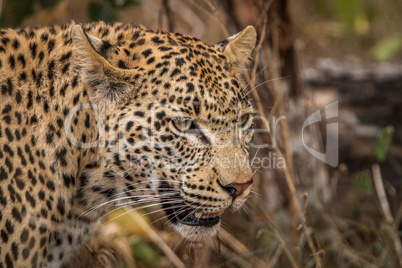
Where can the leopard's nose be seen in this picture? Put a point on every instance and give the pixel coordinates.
(235, 189)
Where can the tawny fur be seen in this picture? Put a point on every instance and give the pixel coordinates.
(87, 121)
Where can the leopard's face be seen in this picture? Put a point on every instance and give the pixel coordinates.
(177, 129)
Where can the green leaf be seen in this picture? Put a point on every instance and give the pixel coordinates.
(144, 252)
(363, 181)
(383, 142)
(347, 11)
(387, 48)
(105, 11)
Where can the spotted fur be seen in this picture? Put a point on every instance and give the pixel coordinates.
(88, 117)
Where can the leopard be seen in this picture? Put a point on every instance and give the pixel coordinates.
(97, 116)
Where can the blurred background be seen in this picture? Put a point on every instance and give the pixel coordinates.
(302, 211)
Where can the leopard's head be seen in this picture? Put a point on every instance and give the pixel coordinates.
(174, 121)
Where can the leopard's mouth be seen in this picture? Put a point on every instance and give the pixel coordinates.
(189, 216)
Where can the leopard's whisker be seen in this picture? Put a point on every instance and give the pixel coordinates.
(246, 209)
(194, 210)
(165, 216)
(135, 202)
(142, 189)
(268, 81)
(143, 192)
(252, 79)
(142, 182)
(255, 194)
(162, 209)
(147, 181)
(125, 198)
(140, 207)
(181, 210)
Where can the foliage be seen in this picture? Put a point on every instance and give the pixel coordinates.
(144, 252)
(102, 11)
(13, 12)
(107, 10)
(349, 12)
(363, 181)
(384, 140)
(387, 48)
(359, 18)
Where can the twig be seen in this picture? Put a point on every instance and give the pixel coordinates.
(238, 247)
(278, 95)
(213, 15)
(157, 239)
(217, 15)
(275, 257)
(263, 16)
(219, 250)
(382, 197)
(379, 187)
(288, 150)
(168, 12)
(339, 239)
(278, 236)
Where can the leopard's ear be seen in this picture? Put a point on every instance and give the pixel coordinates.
(108, 83)
(238, 47)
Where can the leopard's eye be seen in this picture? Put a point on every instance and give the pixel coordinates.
(182, 125)
(244, 120)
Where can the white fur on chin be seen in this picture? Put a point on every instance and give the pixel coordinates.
(196, 233)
